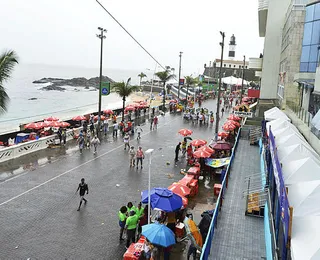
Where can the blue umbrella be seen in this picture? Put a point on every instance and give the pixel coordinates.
(163, 199)
(159, 234)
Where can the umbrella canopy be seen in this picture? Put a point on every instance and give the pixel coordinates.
(33, 126)
(179, 189)
(201, 154)
(228, 127)
(162, 199)
(221, 145)
(108, 112)
(64, 124)
(234, 117)
(95, 118)
(193, 233)
(173, 101)
(51, 118)
(54, 124)
(198, 142)
(44, 124)
(159, 234)
(79, 118)
(206, 149)
(185, 132)
(223, 134)
(237, 124)
(129, 108)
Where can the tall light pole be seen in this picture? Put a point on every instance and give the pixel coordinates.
(101, 37)
(219, 88)
(179, 73)
(244, 64)
(149, 151)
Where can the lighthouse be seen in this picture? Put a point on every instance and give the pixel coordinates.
(232, 47)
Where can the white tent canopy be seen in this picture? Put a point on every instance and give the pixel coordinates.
(300, 170)
(291, 139)
(305, 238)
(297, 151)
(234, 81)
(275, 113)
(302, 197)
(278, 123)
(288, 130)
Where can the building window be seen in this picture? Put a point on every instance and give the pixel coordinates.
(307, 33)
(309, 13)
(304, 66)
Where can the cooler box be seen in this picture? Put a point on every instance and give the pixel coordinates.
(194, 187)
(135, 250)
(179, 230)
(216, 189)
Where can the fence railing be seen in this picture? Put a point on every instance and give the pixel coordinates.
(303, 114)
(214, 222)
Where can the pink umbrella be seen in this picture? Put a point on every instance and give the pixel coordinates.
(201, 154)
(79, 118)
(198, 142)
(51, 118)
(33, 126)
(206, 149)
(129, 108)
(64, 124)
(108, 112)
(54, 124)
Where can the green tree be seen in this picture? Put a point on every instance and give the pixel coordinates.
(8, 60)
(141, 76)
(164, 77)
(124, 90)
(190, 81)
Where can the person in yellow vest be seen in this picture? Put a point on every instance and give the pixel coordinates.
(131, 226)
(122, 214)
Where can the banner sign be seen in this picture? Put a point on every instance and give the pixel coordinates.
(243, 114)
(181, 82)
(217, 163)
(281, 189)
(105, 88)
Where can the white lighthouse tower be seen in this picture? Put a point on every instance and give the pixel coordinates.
(232, 47)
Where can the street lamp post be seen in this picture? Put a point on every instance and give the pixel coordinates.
(219, 88)
(179, 74)
(101, 37)
(244, 64)
(149, 151)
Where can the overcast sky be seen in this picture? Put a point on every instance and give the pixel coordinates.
(64, 31)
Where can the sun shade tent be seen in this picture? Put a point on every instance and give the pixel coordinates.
(233, 81)
(302, 197)
(305, 238)
(275, 113)
(300, 170)
(291, 139)
(278, 123)
(297, 151)
(290, 129)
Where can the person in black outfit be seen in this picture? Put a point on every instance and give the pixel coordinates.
(83, 187)
(177, 151)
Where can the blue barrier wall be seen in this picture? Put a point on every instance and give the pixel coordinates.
(207, 245)
(267, 233)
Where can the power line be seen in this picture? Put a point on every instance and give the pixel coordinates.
(131, 35)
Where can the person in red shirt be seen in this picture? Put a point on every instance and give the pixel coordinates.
(139, 156)
(155, 122)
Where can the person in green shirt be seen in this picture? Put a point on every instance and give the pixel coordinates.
(131, 226)
(139, 212)
(122, 214)
(130, 207)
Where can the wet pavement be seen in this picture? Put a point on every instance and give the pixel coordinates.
(38, 203)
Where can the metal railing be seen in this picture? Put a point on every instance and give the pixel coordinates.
(303, 114)
(214, 222)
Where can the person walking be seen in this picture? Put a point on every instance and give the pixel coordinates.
(177, 151)
(151, 121)
(85, 126)
(95, 141)
(184, 146)
(64, 136)
(126, 140)
(139, 156)
(139, 130)
(81, 142)
(122, 214)
(115, 129)
(105, 126)
(132, 154)
(155, 123)
(222, 111)
(92, 128)
(82, 188)
(131, 226)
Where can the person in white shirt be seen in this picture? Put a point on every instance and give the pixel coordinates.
(126, 140)
(115, 129)
(105, 126)
(95, 141)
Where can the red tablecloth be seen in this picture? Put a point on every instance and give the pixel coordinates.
(135, 249)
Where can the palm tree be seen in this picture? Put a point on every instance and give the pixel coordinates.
(124, 90)
(8, 60)
(165, 76)
(141, 76)
(189, 82)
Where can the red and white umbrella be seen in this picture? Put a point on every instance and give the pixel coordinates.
(198, 142)
(206, 149)
(35, 126)
(95, 118)
(129, 108)
(64, 124)
(51, 118)
(179, 189)
(54, 124)
(108, 112)
(228, 126)
(201, 154)
(185, 132)
(79, 118)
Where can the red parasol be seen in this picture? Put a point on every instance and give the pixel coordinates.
(173, 101)
(237, 124)
(54, 124)
(198, 142)
(95, 118)
(35, 126)
(185, 132)
(179, 189)
(51, 118)
(228, 126)
(221, 145)
(223, 134)
(108, 112)
(234, 117)
(206, 149)
(129, 108)
(201, 154)
(79, 118)
(64, 124)
(184, 202)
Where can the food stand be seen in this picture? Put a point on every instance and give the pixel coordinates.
(134, 252)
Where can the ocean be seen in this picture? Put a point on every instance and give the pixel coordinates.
(63, 105)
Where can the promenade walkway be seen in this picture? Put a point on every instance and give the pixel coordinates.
(238, 236)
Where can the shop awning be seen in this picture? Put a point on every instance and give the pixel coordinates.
(308, 83)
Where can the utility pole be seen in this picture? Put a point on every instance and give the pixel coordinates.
(244, 64)
(101, 37)
(179, 74)
(219, 88)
